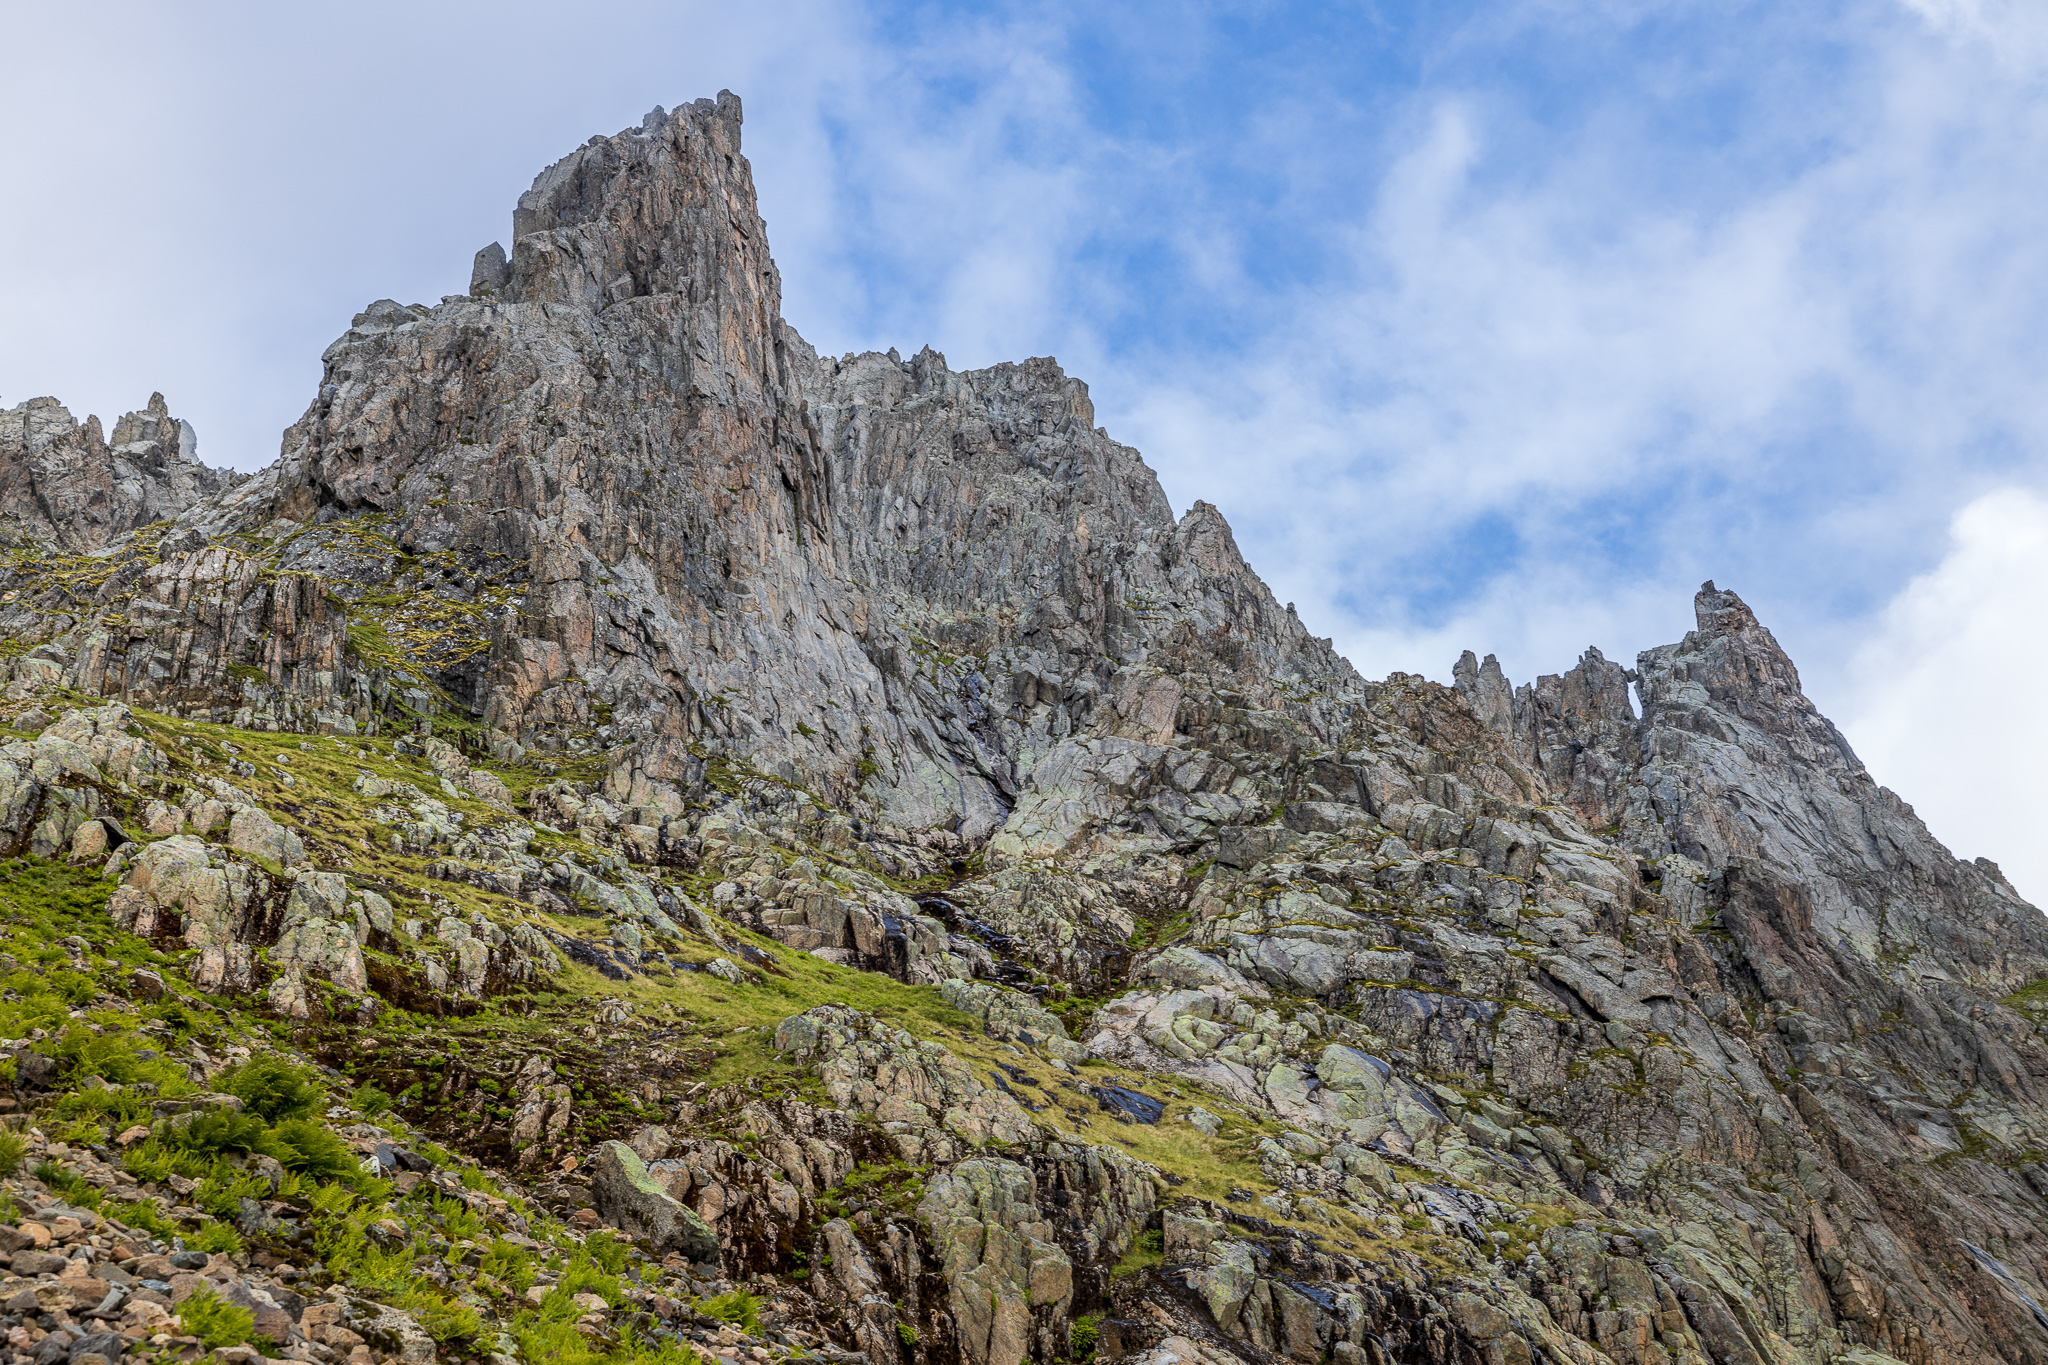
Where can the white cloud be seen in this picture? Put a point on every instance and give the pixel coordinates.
(199, 202)
(952, 202)
(2015, 30)
(1945, 709)
(1586, 369)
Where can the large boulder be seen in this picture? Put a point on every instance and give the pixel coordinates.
(252, 831)
(1188, 968)
(632, 1200)
(326, 923)
(184, 884)
(1014, 1016)
(928, 1100)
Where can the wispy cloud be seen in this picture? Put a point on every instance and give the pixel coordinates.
(1544, 366)
(2014, 31)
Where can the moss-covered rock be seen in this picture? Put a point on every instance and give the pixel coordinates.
(625, 1194)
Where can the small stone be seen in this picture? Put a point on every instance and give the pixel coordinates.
(651, 1143)
(105, 1345)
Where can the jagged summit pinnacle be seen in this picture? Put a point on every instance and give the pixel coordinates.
(634, 214)
(873, 854)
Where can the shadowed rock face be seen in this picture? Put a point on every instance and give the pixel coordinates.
(65, 483)
(1874, 959)
(1671, 1035)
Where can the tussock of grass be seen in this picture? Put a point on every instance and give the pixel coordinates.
(1148, 1250)
(2030, 1000)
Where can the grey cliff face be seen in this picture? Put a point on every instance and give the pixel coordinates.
(1874, 958)
(1619, 1016)
(656, 502)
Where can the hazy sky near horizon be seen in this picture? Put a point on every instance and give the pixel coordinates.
(1491, 325)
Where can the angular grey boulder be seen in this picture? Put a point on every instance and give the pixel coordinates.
(628, 1196)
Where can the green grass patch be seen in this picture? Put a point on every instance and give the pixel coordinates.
(214, 1320)
(2030, 1000)
(1147, 1251)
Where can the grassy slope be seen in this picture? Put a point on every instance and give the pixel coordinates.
(703, 1031)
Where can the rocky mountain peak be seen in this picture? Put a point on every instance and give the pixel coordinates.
(1737, 660)
(1723, 613)
(665, 207)
(829, 821)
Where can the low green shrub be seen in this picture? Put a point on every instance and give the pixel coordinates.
(215, 1236)
(115, 1108)
(445, 1321)
(146, 1215)
(273, 1089)
(157, 1161)
(74, 1190)
(221, 1193)
(608, 1251)
(214, 1320)
(304, 1146)
(661, 1351)
(79, 1132)
(736, 1306)
(508, 1263)
(219, 1132)
(370, 1102)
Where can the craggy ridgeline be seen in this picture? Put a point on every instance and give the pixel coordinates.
(636, 841)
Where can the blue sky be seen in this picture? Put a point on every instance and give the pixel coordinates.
(1497, 325)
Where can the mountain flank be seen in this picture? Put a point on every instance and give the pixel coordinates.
(636, 841)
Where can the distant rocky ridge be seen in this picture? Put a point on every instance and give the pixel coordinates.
(1578, 1031)
(63, 482)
